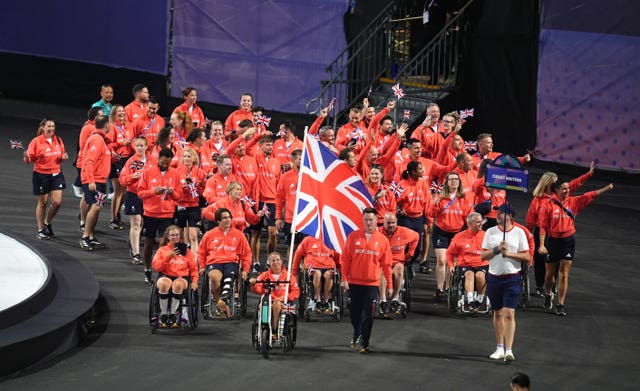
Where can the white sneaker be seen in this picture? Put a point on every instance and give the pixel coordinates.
(77, 191)
(110, 196)
(311, 306)
(509, 356)
(497, 355)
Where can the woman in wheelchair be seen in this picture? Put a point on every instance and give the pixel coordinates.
(276, 272)
(319, 261)
(176, 266)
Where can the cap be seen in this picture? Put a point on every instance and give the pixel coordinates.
(508, 209)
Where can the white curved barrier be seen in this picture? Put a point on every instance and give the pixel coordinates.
(22, 272)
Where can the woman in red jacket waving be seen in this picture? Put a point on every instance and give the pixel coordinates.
(46, 151)
(557, 223)
(176, 266)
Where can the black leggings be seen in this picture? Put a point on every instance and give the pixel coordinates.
(363, 306)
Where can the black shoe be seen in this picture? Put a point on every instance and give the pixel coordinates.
(43, 235)
(439, 295)
(355, 342)
(114, 225)
(173, 321)
(85, 244)
(548, 301)
(147, 277)
(164, 321)
(395, 307)
(560, 310)
(424, 268)
(48, 229)
(136, 260)
(96, 244)
(466, 306)
(364, 349)
(384, 310)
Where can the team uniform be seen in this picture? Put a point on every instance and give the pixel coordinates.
(158, 208)
(46, 154)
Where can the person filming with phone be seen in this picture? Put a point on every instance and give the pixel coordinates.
(177, 268)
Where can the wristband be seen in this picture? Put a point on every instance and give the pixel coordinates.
(496, 250)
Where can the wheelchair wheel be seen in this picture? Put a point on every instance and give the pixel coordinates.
(154, 309)
(289, 332)
(192, 308)
(525, 293)
(205, 297)
(244, 285)
(264, 348)
(234, 299)
(302, 283)
(454, 291)
(406, 289)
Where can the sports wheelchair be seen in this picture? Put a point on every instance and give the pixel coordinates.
(525, 293)
(237, 300)
(186, 314)
(456, 294)
(336, 301)
(261, 329)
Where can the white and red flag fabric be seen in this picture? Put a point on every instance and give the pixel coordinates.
(396, 189)
(16, 144)
(331, 196)
(407, 114)
(264, 120)
(331, 104)
(471, 146)
(466, 113)
(397, 91)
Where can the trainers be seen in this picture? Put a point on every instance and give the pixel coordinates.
(548, 301)
(82, 227)
(48, 229)
(327, 308)
(539, 292)
(439, 295)
(384, 310)
(77, 191)
(114, 225)
(42, 235)
(164, 321)
(318, 309)
(364, 350)
(95, 243)
(508, 357)
(173, 321)
(560, 310)
(497, 355)
(466, 306)
(136, 259)
(355, 341)
(424, 268)
(483, 307)
(395, 307)
(147, 277)
(311, 306)
(85, 244)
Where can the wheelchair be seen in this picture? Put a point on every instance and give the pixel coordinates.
(187, 312)
(525, 293)
(261, 329)
(336, 301)
(456, 293)
(237, 301)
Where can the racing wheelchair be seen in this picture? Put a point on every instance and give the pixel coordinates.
(261, 329)
(186, 315)
(456, 294)
(336, 301)
(237, 300)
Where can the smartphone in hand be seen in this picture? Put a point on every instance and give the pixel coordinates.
(181, 247)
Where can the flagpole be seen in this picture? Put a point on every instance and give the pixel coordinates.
(295, 215)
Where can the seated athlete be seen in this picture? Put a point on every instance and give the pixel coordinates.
(464, 251)
(319, 261)
(176, 269)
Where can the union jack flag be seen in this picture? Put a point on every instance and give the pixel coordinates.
(250, 201)
(407, 114)
(471, 145)
(396, 189)
(136, 165)
(100, 198)
(466, 113)
(264, 120)
(436, 188)
(397, 91)
(16, 144)
(331, 104)
(265, 210)
(193, 190)
(357, 134)
(331, 197)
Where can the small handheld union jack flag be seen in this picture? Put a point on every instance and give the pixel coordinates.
(397, 91)
(331, 104)
(16, 144)
(250, 201)
(407, 114)
(466, 113)
(265, 210)
(436, 188)
(193, 190)
(100, 198)
(396, 189)
(471, 145)
(263, 119)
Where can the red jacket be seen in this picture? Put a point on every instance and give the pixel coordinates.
(362, 260)
(195, 112)
(133, 165)
(430, 139)
(234, 119)
(241, 212)
(316, 254)
(450, 215)
(216, 187)
(416, 197)
(382, 204)
(191, 191)
(555, 220)
(175, 265)
(530, 239)
(148, 128)
(269, 172)
(159, 205)
(96, 161)
(465, 248)
(135, 111)
(118, 136)
(403, 242)
(282, 151)
(279, 290)
(217, 247)
(286, 195)
(87, 129)
(46, 156)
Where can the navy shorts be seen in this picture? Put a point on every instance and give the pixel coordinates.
(173, 278)
(188, 216)
(227, 269)
(561, 249)
(440, 238)
(132, 204)
(416, 224)
(116, 168)
(297, 239)
(503, 292)
(464, 269)
(46, 183)
(269, 221)
(91, 197)
(153, 226)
